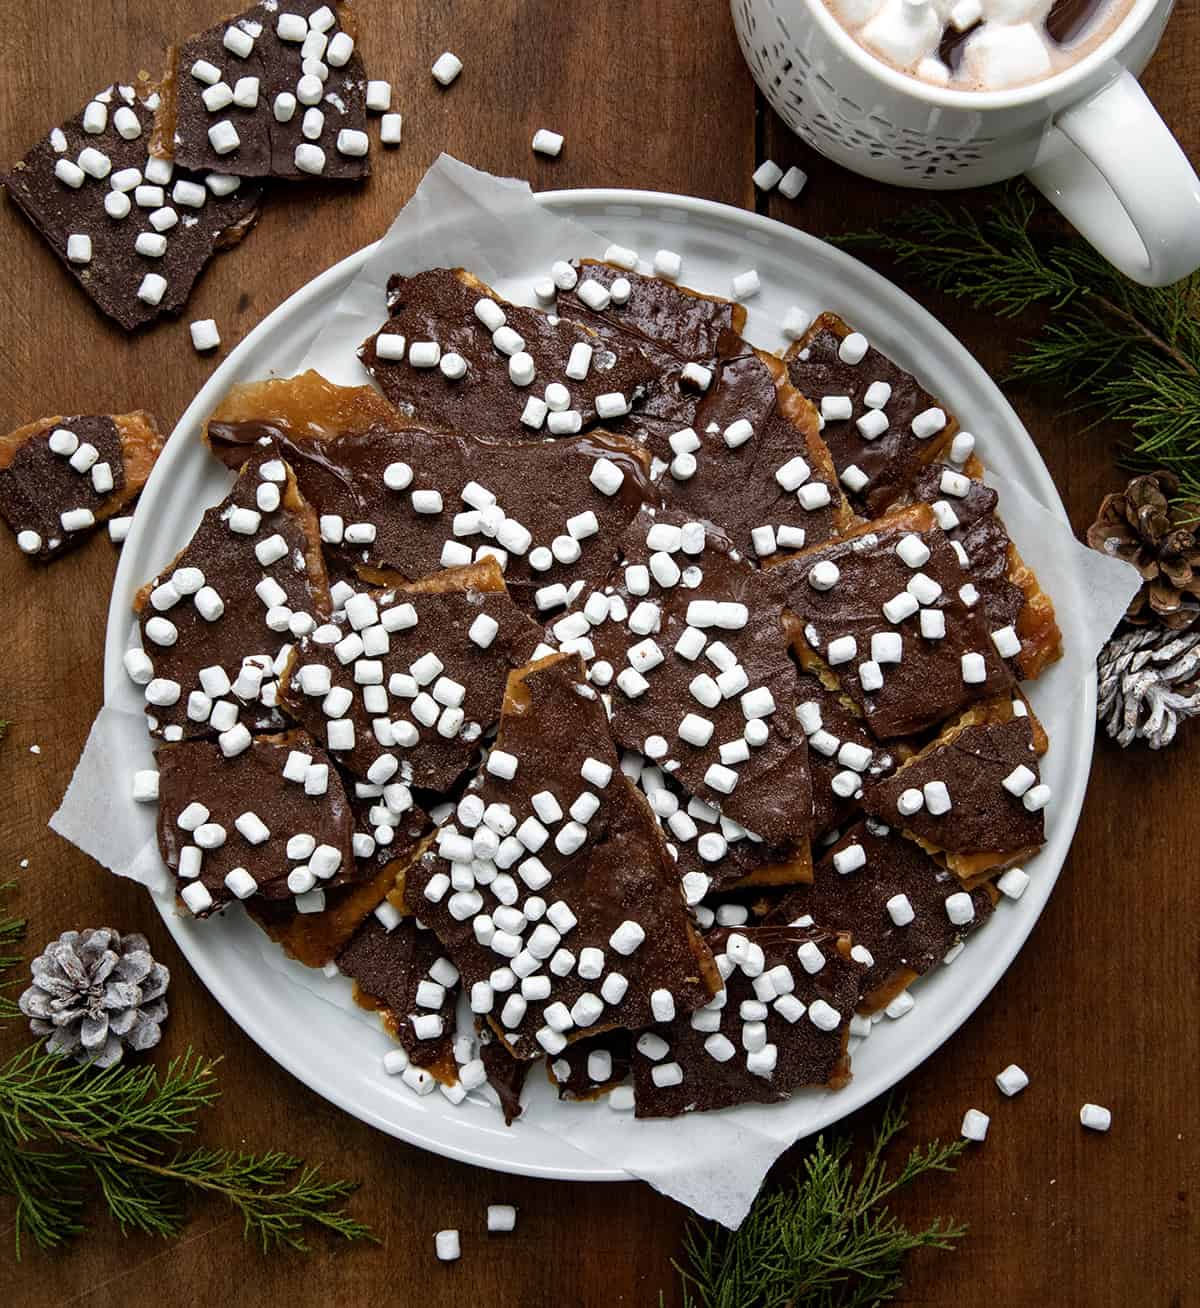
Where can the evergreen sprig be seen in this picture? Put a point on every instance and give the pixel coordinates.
(828, 1239)
(69, 1131)
(1122, 351)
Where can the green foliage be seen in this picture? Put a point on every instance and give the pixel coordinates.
(828, 1239)
(69, 1131)
(1122, 351)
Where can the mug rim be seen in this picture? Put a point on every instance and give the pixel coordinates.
(1009, 98)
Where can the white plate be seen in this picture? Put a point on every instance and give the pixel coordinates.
(319, 1042)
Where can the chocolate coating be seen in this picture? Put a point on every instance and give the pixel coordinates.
(230, 566)
(540, 484)
(893, 459)
(737, 488)
(857, 902)
(250, 782)
(444, 621)
(266, 146)
(621, 872)
(37, 485)
(387, 966)
(927, 685)
(439, 305)
(806, 1055)
(114, 274)
(972, 762)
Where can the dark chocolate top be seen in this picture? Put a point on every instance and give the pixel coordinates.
(388, 966)
(252, 782)
(736, 488)
(805, 1054)
(620, 873)
(267, 147)
(115, 271)
(439, 306)
(984, 538)
(38, 486)
(505, 1074)
(539, 485)
(229, 563)
(892, 459)
(426, 754)
(857, 902)
(927, 685)
(827, 758)
(771, 796)
(681, 324)
(572, 1070)
(973, 762)
(684, 820)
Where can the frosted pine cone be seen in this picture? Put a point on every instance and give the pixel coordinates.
(95, 993)
(1149, 682)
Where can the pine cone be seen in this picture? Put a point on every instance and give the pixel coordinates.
(1149, 682)
(1137, 525)
(95, 993)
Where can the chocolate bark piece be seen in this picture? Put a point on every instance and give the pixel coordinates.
(114, 271)
(663, 316)
(439, 306)
(315, 939)
(929, 683)
(1010, 594)
(891, 460)
(738, 486)
(746, 861)
(572, 1071)
(402, 685)
(220, 610)
(387, 965)
(770, 795)
(857, 901)
(248, 812)
(708, 1050)
(673, 326)
(839, 748)
(38, 486)
(264, 145)
(987, 827)
(506, 1074)
(605, 876)
(529, 491)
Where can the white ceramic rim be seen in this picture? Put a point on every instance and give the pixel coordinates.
(949, 98)
(590, 206)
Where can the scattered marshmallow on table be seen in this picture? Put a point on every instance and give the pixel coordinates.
(1012, 1080)
(446, 67)
(205, 335)
(1095, 1117)
(547, 142)
(501, 1217)
(447, 1245)
(975, 1125)
(767, 175)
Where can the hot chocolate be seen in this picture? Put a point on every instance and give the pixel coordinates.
(980, 45)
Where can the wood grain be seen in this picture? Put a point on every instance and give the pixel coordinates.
(1099, 1005)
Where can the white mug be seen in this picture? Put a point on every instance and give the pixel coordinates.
(1088, 137)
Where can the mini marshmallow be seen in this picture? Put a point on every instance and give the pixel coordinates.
(547, 142)
(1012, 1080)
(900, 910)
(767, 175)
(1013, 883)
(975, 1125)
(390, 129)
(746, 284)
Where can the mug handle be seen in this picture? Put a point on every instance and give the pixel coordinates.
(1112, 167)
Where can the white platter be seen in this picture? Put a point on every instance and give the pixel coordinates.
(318, 1041)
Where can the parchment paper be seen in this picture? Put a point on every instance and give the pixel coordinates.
(714, 1163)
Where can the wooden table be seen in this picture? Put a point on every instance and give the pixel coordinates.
(1101, 1003)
